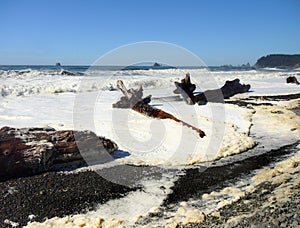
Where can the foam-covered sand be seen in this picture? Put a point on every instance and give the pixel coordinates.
(195, 211)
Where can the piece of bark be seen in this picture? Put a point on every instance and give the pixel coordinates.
(28, 151)
(133, 99)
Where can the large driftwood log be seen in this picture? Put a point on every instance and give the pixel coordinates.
(186, 89)
(133, 99)
(29, 151)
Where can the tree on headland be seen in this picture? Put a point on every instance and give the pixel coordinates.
(278, 60)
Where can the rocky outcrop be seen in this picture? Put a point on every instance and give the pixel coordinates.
(279, 61)
(29, 151)
(70, 73)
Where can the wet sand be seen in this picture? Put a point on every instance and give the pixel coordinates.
(54, 194)
(249, 211)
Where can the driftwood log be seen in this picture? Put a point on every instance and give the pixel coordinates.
(134, 99)
(186, 89)
(29, 151)
(292, 79)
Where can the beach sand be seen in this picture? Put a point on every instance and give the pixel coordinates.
(52, 194)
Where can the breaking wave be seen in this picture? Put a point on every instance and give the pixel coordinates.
(28, 82)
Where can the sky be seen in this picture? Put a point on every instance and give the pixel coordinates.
(77, 32)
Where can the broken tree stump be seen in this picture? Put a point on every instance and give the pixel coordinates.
(29, 151)
(131, 96)
(133, 99)
(186, 89)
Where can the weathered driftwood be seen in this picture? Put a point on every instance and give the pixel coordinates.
(186, 89)
(234, 87)
(131, 96)
(292, 79)
(133, 99)
(159, 114)
(29, 151)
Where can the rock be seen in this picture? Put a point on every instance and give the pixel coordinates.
(29, 151)
(70, 73)
(292, 79)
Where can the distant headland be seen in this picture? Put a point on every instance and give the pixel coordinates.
(278, 61)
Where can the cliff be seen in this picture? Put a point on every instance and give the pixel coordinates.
(278, 60)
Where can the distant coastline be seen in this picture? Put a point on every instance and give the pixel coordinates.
(278, 61)
(281, 61)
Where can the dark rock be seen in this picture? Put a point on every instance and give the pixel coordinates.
(29, 151)
(292, 79)
(70, 73)
(147, 66)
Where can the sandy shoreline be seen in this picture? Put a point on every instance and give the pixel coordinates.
(53, 194)
(56, 194)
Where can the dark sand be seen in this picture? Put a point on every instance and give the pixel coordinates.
(196, 182)
(286, 214)
(53, 194)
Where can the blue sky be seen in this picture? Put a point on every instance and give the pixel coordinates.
(78, 32)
